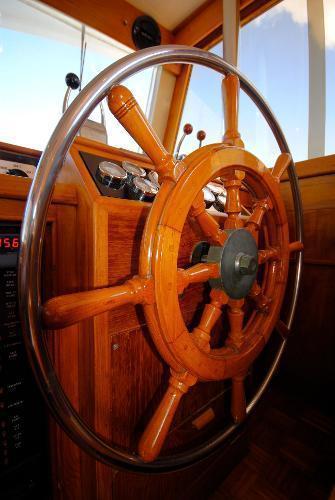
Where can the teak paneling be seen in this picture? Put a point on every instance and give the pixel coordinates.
(309, 359)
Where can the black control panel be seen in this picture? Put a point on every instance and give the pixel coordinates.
(118, 179)
(22, 417)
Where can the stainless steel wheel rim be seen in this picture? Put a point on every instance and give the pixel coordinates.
(32, 233)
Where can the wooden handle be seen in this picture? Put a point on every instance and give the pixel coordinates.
(230, 96)
(238, 403)
(67, 310)
(235, 316)
(156, 432)
(282, 163)
(126, 110)
(210, 315)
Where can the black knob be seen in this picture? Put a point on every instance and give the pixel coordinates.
(72, 81)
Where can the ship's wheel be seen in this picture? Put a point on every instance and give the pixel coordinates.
(229, 257)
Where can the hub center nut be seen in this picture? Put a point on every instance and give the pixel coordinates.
(245, 264)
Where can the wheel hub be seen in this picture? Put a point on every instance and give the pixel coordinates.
(237, 259)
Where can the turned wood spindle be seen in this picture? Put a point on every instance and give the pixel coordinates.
(262, 302)
(259, 209)
(126, 110)
(230, 96)
(282, 163)
(232, 184)
(210, 315)
(235, 316)
(206, 221)
(157, 430)
(238, 401)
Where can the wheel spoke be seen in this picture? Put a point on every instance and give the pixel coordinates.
(232, 184)
(210, 315)
(126, 110)
(255, 220)
(238, 400)
(268, 254)
(199, 273)
(206, 221)
(157, 430)
(230, 97)
(235, 340)
(66, 310)
(296, 246)
(282, 329)
(262, 302)
(235, 316)
(282, 163)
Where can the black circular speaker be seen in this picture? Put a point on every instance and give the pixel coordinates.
(145, 32)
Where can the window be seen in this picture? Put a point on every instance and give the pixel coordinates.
(274, 55)
(38, 47)
(329, 11)
(203, 106)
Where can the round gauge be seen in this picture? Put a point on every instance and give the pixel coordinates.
(17, 171)
(133, 171)
(17, 168)
(153, 177)
(209, 197)
(111, 175)
(142, 189)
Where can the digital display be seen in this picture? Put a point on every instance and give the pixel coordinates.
(9, 242)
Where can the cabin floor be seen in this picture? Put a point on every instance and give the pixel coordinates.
(291, 452)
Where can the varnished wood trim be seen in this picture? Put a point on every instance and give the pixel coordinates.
(12, 148)
(17, 188)
(98, 148)
(115, 18)
(315, 167)
(205, 26)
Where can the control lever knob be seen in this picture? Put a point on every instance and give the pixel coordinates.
(188, 129)
(72, 81)
(201, 136)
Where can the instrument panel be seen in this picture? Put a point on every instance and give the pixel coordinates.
(22, 418)
(128, 180)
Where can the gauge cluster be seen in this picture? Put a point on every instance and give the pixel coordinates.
(128, 180)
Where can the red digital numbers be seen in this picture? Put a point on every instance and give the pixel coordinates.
(15, 242)
(9, 242)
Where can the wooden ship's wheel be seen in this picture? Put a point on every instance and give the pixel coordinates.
(229, 257)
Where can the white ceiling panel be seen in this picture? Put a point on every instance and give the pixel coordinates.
(168, 13)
